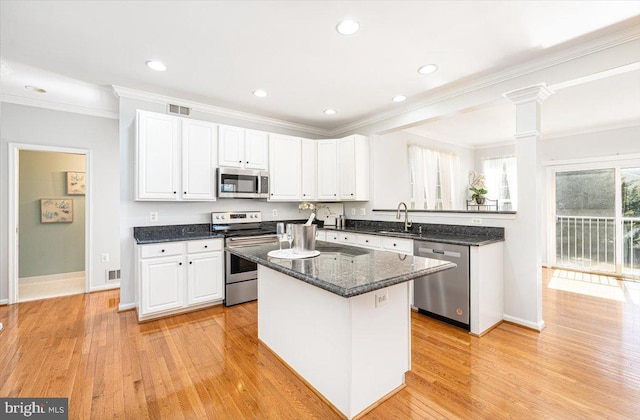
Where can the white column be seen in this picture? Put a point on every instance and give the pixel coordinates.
(523, 291)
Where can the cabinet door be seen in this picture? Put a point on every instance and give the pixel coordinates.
(256, 149)
(162, 284)
(205, 278)
(231, 146)
(309, 176)
(327, 170)
(199, 160)
(347, 168)
(284, 168)
(157, 157)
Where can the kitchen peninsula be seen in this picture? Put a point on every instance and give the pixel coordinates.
(340, 320)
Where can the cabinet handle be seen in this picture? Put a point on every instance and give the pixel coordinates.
(394, 244)
(247, 162)
(185, 193)
(271, 193)
(190, 262)
(351, 193)
(366, 240)
(162, 250)
(206, 246)
(175, 192)
(333, 194)
(239, 161)
(304, 195)
(179, 263)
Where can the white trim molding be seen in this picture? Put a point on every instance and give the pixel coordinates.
(104, 287)
(538, 326)
(58, 106)
(126, 306)
(4, 302)
(125, 92)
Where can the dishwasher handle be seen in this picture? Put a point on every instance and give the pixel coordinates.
(439, 252)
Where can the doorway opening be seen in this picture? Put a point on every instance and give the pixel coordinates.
(50, 208)
(596, 214)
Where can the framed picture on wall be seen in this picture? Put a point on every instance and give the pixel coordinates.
(53, 210)
(76, 183)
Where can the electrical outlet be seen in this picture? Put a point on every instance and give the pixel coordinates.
(274, 212)
(363, 211)
(104, 257)
(153, 216)
(476, 221)
(382, 298)
(353, 211)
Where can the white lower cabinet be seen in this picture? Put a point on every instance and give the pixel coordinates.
(178, 276)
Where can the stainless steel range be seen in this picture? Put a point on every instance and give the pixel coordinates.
(241, 229)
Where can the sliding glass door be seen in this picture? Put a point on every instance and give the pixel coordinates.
(597, 220)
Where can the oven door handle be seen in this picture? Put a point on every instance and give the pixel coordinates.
(236, 242)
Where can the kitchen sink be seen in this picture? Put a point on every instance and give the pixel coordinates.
(398, 231)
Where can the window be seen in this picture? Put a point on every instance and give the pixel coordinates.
(501, 181)
(434, 178)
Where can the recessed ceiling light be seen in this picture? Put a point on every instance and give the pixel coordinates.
(330, 111)
(399, 98)
(259, 93)
(35, 89)
(429, 68)
(347, 27)
(156, 65)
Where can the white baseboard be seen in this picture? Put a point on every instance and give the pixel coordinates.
(126, 306)
(538, 326)
(51, 277)
(104, 287)
(0, 326)
(4, 301)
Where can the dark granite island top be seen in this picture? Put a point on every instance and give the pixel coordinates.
(345, 270)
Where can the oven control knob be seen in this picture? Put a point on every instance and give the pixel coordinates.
(223, 216)
(217, 217)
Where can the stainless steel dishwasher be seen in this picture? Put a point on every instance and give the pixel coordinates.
(444, 295)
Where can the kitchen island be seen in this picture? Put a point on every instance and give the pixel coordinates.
(341, 320)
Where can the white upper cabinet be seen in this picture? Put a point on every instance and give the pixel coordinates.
(327, 170)
(309, 175)
(231, 146)
(176, 158)
(353, 164)
(240, 148)
(158, 161)
(199, 160)
(285, 168)
(256, 149)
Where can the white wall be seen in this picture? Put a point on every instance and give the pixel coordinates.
(136, 213)
(390, 166)
(37, 126)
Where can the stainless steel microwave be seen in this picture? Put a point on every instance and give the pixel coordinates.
(242, 183)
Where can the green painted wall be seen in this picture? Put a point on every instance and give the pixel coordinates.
(50, 248)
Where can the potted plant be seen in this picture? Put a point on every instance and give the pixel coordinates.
(310, 206)
(477, 186)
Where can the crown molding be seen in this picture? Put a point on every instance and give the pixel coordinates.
(610, 40)
(537, 93)
(58, 106)
(589, 130)
(125, 92)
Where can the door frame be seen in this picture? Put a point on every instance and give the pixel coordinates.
(13, 210)
(606, 162)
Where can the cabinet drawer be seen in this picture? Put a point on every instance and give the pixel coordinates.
(161, 250)
(321, 235)
(369, 241)
(205, 245)
(347, 238)
(333, 236)
(404, 246)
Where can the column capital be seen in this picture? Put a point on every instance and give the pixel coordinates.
(537, 93)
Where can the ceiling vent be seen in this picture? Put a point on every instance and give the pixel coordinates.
(179, 110)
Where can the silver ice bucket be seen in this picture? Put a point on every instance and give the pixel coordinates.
(304, 239)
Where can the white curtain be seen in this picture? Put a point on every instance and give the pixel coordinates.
(423, 166)
(493, 170)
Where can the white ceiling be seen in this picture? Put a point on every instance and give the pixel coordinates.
(600, 104)
(219, 52)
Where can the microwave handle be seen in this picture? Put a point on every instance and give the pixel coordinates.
(264, 182)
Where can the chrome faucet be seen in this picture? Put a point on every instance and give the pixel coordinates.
(407, 223)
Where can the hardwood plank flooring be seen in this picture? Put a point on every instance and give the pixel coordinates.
(209, 364)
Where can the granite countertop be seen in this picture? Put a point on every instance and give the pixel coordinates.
(345, 270)
(455, 237)
(171, 233)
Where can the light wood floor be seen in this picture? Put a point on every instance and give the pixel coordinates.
(585, 364)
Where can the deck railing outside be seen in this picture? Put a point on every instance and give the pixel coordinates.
(589, 243)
